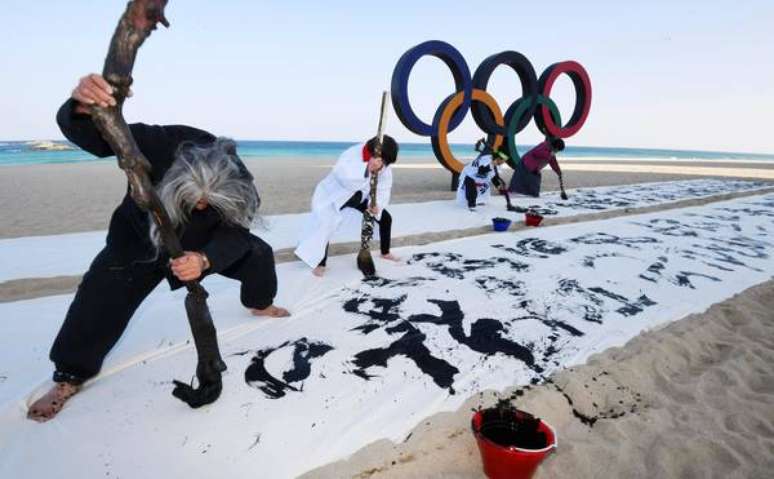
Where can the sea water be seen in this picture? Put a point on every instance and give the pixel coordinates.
(28, 153)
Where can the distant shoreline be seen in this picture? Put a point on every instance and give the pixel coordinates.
(21, 153)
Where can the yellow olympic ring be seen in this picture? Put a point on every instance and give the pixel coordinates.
(441, 141)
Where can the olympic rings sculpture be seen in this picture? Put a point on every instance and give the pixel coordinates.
(470, 94)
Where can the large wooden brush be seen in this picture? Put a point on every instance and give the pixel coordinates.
(365, 262)
(135, 25)
(561, 188)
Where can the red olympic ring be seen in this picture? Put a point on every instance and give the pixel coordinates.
(582, 84)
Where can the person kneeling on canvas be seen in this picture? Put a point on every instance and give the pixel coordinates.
(527, 177)
(211, 200)
(474, 189)
(347, 186)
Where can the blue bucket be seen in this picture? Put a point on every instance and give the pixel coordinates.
(501, 224)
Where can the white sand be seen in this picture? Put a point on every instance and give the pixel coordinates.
(66, 198)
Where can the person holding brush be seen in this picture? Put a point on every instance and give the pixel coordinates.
(527, 178)
(474, 189)
(211, 200)
(347, 188)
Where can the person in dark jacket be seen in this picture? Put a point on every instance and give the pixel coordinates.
(211, 199)
(527, 177)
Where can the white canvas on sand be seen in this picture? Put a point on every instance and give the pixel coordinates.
(361, 361)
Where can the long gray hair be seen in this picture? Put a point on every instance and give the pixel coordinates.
(212, 172)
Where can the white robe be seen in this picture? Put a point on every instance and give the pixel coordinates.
(346, 178)
(483, 183)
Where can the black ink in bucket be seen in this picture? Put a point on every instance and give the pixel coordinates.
(512, 443)
(514, 433)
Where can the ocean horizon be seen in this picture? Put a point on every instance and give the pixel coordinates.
(52, 152)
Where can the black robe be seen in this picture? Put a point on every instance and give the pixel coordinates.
(128, 234)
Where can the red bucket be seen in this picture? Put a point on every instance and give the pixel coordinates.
(501, 462)
(533, 219)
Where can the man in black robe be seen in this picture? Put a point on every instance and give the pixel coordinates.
(211, 199)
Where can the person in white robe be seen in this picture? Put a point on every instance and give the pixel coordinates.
(476, 180)
(345, 192)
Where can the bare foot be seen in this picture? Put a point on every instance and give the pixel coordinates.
(319, 271)
(271, 312)
(391, 257)
(52, 402)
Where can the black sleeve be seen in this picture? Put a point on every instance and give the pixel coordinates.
(227, 245)
(157, 143)
(79, 129)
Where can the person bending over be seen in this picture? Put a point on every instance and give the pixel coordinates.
(211, 200)
(348, 186)
(474, 189)
(527, 177)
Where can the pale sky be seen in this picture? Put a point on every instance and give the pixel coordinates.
(665, 74)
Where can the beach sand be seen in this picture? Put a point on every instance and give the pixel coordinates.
(68, 198)
(697, 395)
(695, 400)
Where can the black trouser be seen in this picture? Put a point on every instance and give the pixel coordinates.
(110, 293)
(525, 182)
(385, 224)
(471, 191)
